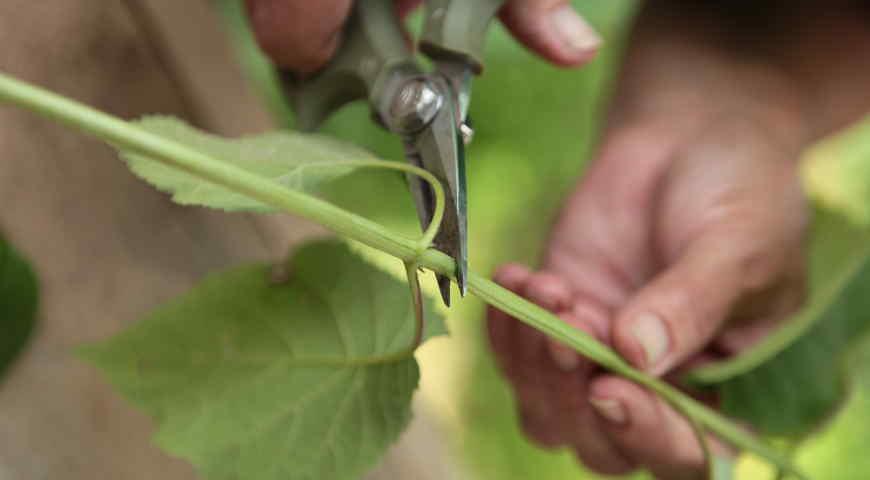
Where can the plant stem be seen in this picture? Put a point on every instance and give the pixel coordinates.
(546, 322)
(131, 137)
(123, 134)
(784, 336)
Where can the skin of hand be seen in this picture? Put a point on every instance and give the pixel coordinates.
(676, 247)
(683, 241)
(302, 35)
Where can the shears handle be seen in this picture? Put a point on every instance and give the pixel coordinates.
(373, 57)
(456, 29)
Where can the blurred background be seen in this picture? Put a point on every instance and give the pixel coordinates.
(535, 127)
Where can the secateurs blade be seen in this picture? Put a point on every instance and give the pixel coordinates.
(428, 110)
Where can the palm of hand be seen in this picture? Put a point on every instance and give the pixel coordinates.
(675, 248)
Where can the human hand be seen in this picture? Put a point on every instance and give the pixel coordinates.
(302, 35)
(683, 242)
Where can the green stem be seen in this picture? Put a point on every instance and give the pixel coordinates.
(417, 301)
(783, 336)
(130, 137)
(706, 450)
(580, 341)
(431, 230)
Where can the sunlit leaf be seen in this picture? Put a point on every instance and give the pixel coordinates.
(18, 303)
(837, 172)
(308, 378)
(297, 160)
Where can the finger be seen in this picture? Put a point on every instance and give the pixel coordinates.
(405, 7)
(298, 34)
(554, 294)
(540, 384)
(568, 390)
(516, 348)
(682, 308)
(523, 356)
(552, 29)
(631, 416)
(552, 396)
(552, 401)
(500, 325)
(585, 315)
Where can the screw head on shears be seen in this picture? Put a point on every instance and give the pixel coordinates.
(415, 105)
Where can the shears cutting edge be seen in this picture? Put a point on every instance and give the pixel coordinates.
(427, 110)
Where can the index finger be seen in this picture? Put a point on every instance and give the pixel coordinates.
(300, 35)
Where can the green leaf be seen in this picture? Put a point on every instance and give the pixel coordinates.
(837, 172)
(308, 378)
(796, 378)
(296, 160)
(18, 303)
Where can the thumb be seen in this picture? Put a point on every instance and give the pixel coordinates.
(300, 35)
(682, 308)
(552, 29)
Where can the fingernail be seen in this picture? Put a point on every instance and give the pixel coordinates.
(649, 330)
(610, 409)
(574, 33)
(566, 359)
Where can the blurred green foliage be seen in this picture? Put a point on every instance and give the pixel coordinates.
(535, 126)
(18, 304)
(837, 173)
(260, 72)
(803, 364)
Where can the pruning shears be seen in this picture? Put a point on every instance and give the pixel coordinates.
(428, 110)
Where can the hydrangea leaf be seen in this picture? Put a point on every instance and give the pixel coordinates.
(18, 303)
(310, 377)
(796, 378)
(299, 161)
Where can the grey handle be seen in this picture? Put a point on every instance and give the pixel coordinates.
(373, 54)
(457, 29)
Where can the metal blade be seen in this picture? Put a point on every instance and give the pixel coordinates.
(459, 74)
(438, 148)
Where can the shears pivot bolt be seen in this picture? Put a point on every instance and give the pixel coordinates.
(415, 105)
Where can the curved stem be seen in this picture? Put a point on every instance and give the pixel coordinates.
(417, 299)
(701, 436)
(437, 215)
(783, 336)
(131, 137)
